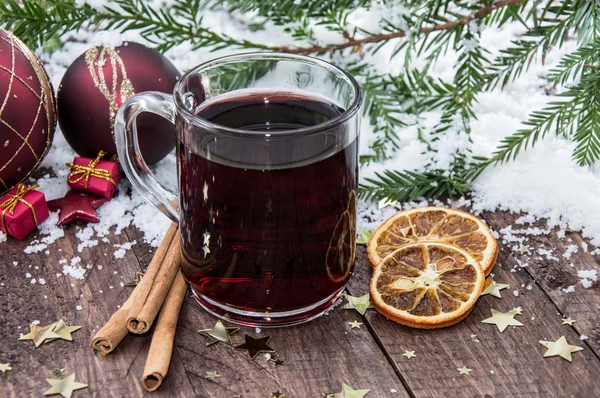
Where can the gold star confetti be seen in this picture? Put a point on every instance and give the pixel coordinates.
(276, 361)
(137, 280)
(58, 372)
(364, 237)
(359, 304)
(560, 347)
(40, 333)
(63, 331)
(503, 319)
(277, 394)
(518, 310)
(219, 333)
(524, 249)
(64, 387)
(408, 354)
(348, 392)
(492, 288)
(5, 367)
(568, 321)
(213, 374)
(355, 324)
(464, 370)
(255, 346)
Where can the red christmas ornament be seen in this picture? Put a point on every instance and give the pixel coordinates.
(76, 207)
(27, 112)
(98, 83)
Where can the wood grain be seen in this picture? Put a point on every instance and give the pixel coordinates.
(554, 275)
(505, 364)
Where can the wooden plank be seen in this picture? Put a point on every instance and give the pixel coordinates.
(318, 356)
(504, 364)
(22, 302)
(554, 275)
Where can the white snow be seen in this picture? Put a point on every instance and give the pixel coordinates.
(587, 277)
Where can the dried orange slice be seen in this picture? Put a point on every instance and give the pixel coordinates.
(426, 285)
(435, 224)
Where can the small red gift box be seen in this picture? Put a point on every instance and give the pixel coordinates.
(95, 176)
(22, 209)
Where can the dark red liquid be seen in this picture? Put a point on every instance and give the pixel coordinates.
(268, 238)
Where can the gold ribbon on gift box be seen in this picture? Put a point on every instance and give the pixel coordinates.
(79, 172)
(8, 206)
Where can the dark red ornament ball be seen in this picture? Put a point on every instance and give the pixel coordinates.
(27, 112)
(98, 82)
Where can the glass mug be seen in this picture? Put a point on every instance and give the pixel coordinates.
(267, 155)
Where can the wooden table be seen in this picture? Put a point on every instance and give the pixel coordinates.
(319, 355)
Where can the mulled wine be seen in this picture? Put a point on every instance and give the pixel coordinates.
(268, 224)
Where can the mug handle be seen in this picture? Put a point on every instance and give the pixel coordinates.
(128, 148)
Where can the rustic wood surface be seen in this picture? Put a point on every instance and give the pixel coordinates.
(319, 355)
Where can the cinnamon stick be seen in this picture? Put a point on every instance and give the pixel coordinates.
(115, 330)
(161, 347)
(140, 320)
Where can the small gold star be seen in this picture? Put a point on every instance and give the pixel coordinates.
(464, 370)
(277, 394)
(205, 191)
(137, 280)
(524, 249)
(568, 321)
(219, 333)
(560, 347)
(255, 346)
(492, 288)
(5, 367)
(63, 331)
(503, 319)
(409, 354)
(64, 387)
(213, 374)
(355, 324)
(40, 333)
(58, 372)
(518, 310)
(276, 361)
(359, 304)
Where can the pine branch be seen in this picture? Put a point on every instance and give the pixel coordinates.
(35, 22)
(359, 43)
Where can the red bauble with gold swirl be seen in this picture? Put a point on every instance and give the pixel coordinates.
(27, 112)
(98, 82)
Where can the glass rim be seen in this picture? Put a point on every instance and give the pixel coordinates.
(263, 55)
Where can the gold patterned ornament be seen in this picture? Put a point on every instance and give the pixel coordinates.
(492, 288)
(464, 370)
(218, 334)
(360, 304)
(96, 60)
(560, 348)
(503, 319)
(64, 387)
(27, 112)
(5, 367)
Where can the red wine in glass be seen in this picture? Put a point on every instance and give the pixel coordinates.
(268, 239)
